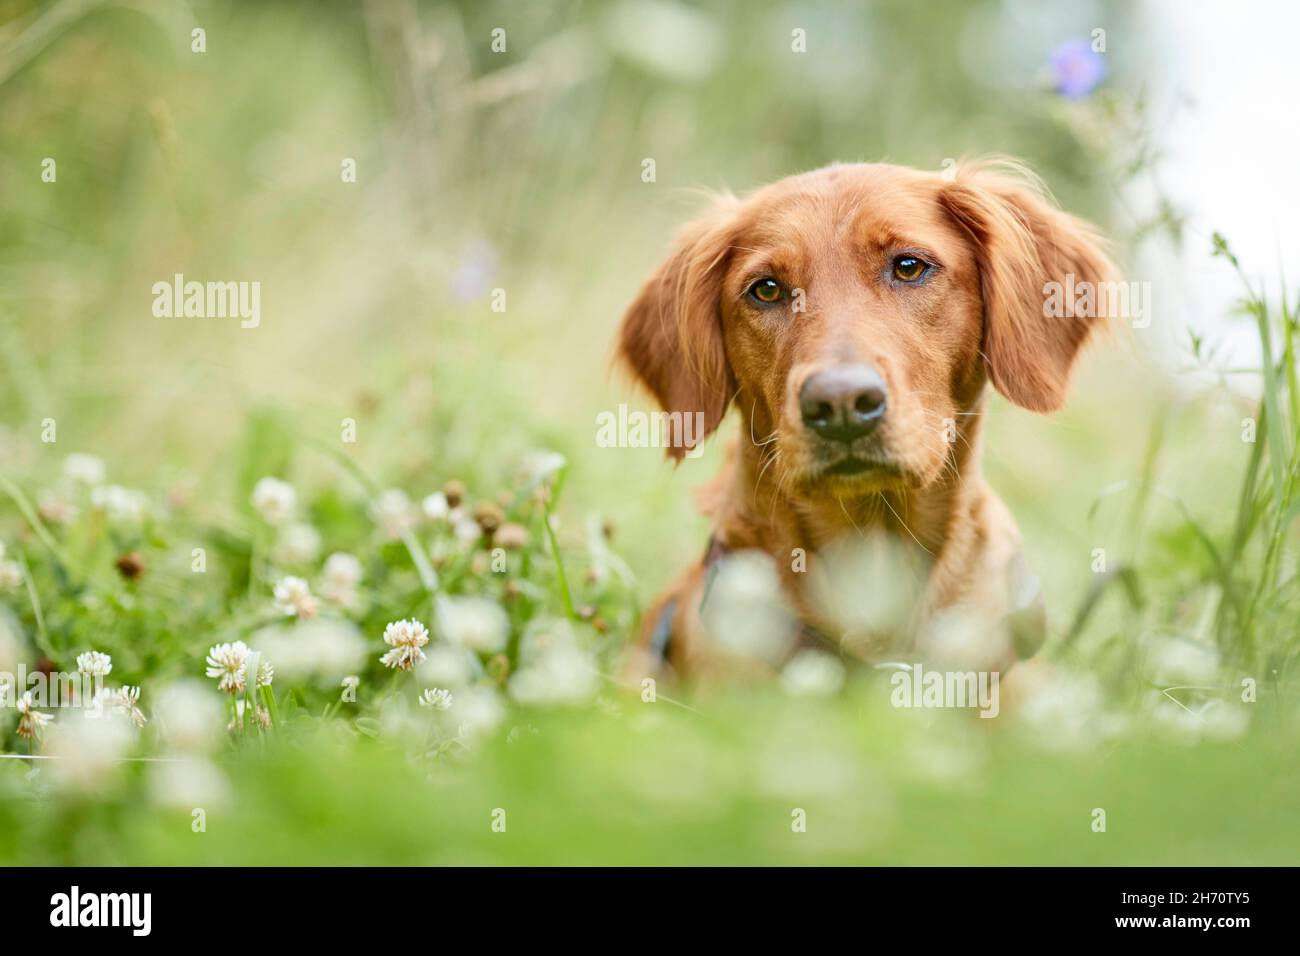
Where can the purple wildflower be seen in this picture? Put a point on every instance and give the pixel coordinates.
(1076, 68)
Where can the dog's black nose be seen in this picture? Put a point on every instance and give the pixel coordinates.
(843, 402)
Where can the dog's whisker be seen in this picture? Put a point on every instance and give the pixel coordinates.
(783, 475)
(904, 524)
(766, 441)
(860, 532)
(766, 465)
(964, 440)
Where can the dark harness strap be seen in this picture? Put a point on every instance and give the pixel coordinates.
(661, 638)
(662, 635)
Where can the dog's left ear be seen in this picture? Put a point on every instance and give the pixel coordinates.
(1024, 245)
(671, 337)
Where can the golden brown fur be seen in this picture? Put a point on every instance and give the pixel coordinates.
(700, 342)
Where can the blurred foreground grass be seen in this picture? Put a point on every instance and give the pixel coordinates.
(654, 785)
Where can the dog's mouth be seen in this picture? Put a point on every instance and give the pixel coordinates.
(859, 466)
(848, 466)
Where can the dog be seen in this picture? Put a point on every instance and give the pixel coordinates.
(855, 317)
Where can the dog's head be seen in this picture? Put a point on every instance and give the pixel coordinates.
(856, 312)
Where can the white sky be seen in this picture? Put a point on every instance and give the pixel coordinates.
(1226, 79)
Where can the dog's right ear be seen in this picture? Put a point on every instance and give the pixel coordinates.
(671, 338)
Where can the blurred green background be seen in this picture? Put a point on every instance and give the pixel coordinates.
(476, 170)
(521, 170)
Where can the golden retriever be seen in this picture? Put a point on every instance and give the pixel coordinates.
(854, 316)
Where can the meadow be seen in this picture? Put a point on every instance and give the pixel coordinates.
(261, 527)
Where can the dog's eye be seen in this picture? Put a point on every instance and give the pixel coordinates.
(766, 291)
(909, 268)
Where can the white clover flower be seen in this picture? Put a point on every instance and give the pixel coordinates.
(1182, 662)
(11, 575)
(958, 639)
(398, 720)
(293, 597)
(1063, 709)
(436, 507)
(30, 720)
(541, 465)
(84, 469)
(55, 508)
(436, 697)
(1191, 721)
(405, 638)
(448, 665)
(189, 716)
(122, 505)
(274, 500)
(323, 647)
(836, 584)
(543, 634)
(511, 536)
(393, 511)
(476, 711)
(745, 613)
(226, 661)
(94, 664)
(1175, 720)
(812, 674)
(182, 785)
(298, 543)
(560, 675)
(479, 624)
(121, 700)
(341, 575)
(466, 530)
(87, 753)
(1225, 721)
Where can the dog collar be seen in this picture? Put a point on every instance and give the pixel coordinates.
(660, 645)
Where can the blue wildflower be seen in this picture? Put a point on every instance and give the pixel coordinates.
(1077, 69)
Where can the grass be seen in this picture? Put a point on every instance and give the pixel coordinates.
(669, 788)
(617, 779)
